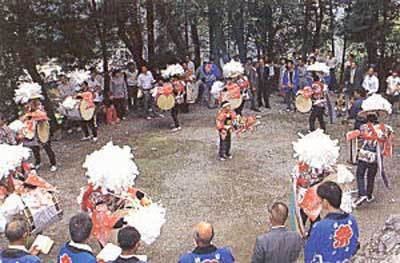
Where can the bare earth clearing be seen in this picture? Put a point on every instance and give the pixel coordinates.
(183, 172)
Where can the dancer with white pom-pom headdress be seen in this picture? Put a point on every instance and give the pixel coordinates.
(112, 200)
(36, 131)
(376, 139)
(316, 154)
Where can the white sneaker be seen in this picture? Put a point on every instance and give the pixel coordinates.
(123, 118)
(69, 131)
(94, 139)
(359, 201)
(176, 129)
(53, 168)
(161, 115)
(370, 199)
(148, 118)
(230, 156)
(222, 159)
(37, 167)
(85, 138)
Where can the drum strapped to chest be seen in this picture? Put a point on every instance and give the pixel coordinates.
(303, 104)
(191, 92)
(166, 102)
(29, 133)
(87, 111)
(42, 209)
(43, 131)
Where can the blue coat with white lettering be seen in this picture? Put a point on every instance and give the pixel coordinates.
(70, 254)
(17, 256)
(333, 239)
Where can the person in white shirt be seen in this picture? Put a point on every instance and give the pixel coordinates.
(371, 82)
(393, 88)
(145, 83)
(131, 80)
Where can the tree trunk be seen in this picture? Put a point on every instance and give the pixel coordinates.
(172, 27)
(319, 18)
(216, 26)
(150, 30)
(384, 30)
(196, 41)
(332, 26)
(305, 48)
(237, 23)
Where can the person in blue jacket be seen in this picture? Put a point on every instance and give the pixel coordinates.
(359, 95)
(205, 251)
(290, 84)
(17, 232)
(76, 250)
(335, 238)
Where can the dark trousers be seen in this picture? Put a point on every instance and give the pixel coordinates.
(49, 151)
(174, 115)
(132, 97)
(225, 145)
(369, 169)
(120, 107)
(317, 113)
(289, 99)
(239, 110)
(85, 125)
(263, 92)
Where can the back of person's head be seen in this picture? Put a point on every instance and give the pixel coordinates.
(128, 238)
(17, 230)
(331, 192)
(80, 227)
(279, 213)
(360, 92)
(203, 234)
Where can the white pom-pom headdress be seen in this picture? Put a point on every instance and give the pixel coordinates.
(69, 103)
(112, 168)
(77, 77)
(376, 104)
(233, 69)
(217, 87)
(317, 150)
(173, 71)
(16, 126)
(27, 91)
(12, 157)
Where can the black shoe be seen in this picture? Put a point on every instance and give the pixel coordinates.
(256, 110)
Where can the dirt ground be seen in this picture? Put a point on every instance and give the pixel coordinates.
(182, 171)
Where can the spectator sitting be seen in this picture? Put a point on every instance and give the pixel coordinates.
(129, 241)
(17, 232)
(76, 250)
(205, 250)
(335, 238)
(279, 244)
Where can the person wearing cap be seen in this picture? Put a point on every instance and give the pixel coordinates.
(17, 233)
(205, 251)
(129, 242)
(226, 119)
(119, 93)
(278, 244)
(334, 238)
(7, 136)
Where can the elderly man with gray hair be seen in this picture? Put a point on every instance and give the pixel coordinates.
(277, 245)
(17, 232)
(205, 251)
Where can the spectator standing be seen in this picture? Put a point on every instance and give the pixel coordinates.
(131, 81)
(119, 93)
(277, 245)
(77, 250)
(17, 232)
(335, 238)
(7, 136)
(393, 89)
(145, 83)
(205, 251)
(65, 88)
(290, 84)
(251, 72)
(371, 82)
(128, 241)
(332, 63)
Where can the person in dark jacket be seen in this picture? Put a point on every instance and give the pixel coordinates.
(277, 245)
(17, 232)
(359, 96)
(128, 240)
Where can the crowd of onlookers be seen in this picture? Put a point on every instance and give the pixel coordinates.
(277, 245)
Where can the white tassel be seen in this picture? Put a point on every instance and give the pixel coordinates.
(12, 157)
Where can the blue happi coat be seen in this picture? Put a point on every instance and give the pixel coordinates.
(17, 256)
(209, 254)
(332, 240)
(70, 254)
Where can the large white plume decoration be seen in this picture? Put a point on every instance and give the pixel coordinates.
(344, 175)
(233, 69)
(69, 103)
(148, 221)
(77, 77)
(317, 150)
(112, 168)
(217, 87)
(376, 102)
(173, 71)
(12, 157)
(16, 126)
(27, 91)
